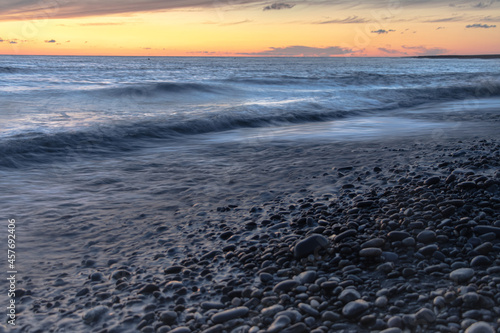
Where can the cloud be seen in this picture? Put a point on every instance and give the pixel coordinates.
(478, 25)
(440, 28)
(347, 20)
(36, 9)
(50, 41)
(13, 42)
(304, 51)
(446, 19)
(382, 31)
(484, 4)
(99, 24)
(422, 50)
(1, 40)
(278, 6)
(490, 18)
(389, 51)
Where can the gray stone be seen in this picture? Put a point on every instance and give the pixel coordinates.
(308, 309)
(426, 237)
(370, 252)
(480, 327)
(375, 242)
(168, 317)
(485, 229)
(272, 310)
(349, 295)
(279, 323)
(297, 328)
(397, 235)
(355, 308)
(212, 305)
(425, 315)
(462, 275)
(344, 235)
(392, 330)
(432, 180)
(309, 245)
(95, 314)
(181, 329)
(307, 277)
(230, 314)
(480, 261)
(286, 285)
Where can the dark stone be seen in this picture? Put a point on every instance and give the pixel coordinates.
(309, 245)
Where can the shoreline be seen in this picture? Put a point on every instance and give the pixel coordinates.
(310, 238)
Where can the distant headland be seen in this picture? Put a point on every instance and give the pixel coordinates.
(477, 56)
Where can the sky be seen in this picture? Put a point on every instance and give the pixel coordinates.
(311, 28)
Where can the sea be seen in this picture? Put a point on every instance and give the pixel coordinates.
(95, 151)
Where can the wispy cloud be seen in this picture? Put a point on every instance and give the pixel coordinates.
(33, 9)
(227, 23)
(50, 41)
(99, 24)
(490, 18)
(484, 4)
(389, 51)
(422, 50)
(446, 19)
(278, 6)
(478, 25)
(304, 51)
(347, 20)
(382, 31)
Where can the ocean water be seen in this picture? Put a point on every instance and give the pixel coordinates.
(55, 107)
(97, 152)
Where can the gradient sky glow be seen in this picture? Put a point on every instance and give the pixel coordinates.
(249, 28)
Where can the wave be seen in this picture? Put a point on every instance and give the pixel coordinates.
(31, 148)
(155, 89)
(9, 70)
(21, 150)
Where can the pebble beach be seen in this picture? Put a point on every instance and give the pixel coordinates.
(407, 239)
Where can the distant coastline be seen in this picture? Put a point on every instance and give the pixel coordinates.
(474, 56)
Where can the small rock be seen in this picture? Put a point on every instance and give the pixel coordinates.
(168, 317)
(286, 285)
(279, 323)
(462, 275)
(297, 328)
(480, 327)
(308, 309)
(230, 314)
(349, 295)
(309, 245)
(181, 329)
(425, 315)
(95, 314)
(432, 180)
(426, 237)
(370, 252)
(355, 308)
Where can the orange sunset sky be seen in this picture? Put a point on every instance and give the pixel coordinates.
(249, 28)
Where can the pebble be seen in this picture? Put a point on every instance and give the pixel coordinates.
(425, 315)
(286, 285)
(296, 328)
(370, 252)
(355, 308)
(181, 329)
(278, 324)
(462, 275)
(310, 245)
(349, 295)
(272, 310)
(308, 309)
(168, 317)
(480, 327)
(95, 314)
(230, 314)
(426, 236)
